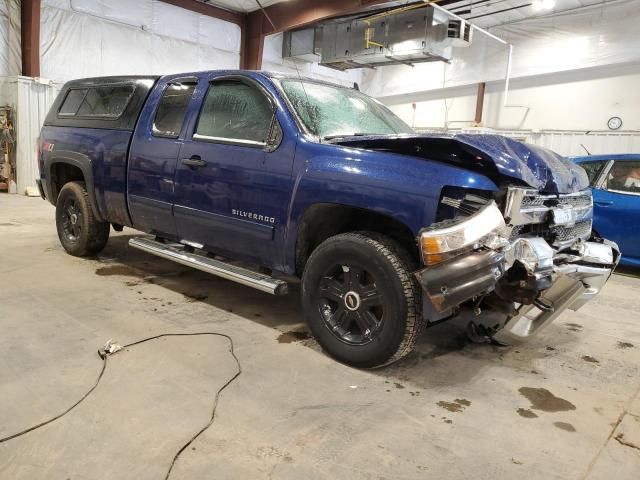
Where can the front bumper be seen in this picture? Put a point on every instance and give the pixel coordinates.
(464, 284)
(572, 286)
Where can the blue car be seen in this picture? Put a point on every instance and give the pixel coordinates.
(615, 180)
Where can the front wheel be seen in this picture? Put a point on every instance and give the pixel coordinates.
(360, 300)
(78, 230)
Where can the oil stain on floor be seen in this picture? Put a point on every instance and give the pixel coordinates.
(567, 427)
(120, 270)
(590, 359)
(293, 336)
(542, 399)
(526, 413)
(457, 406)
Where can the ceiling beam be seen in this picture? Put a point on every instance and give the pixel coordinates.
(209, 10)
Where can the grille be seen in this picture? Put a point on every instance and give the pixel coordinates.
(578, 201)
(533, 201)
(516, 232)
(531, 215)
(583, 199)
(579, 230)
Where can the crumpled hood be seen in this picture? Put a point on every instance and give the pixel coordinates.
(538, 167)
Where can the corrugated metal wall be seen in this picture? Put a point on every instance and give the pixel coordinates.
(571, 142)
(31, 101)
(597, 143)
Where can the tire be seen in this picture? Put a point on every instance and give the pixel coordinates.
(360, 299)
(79, 232)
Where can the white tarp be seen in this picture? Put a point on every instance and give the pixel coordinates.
(590, 37)
(84, 38)
(10, 52)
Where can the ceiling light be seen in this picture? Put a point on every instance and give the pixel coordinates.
(540, 5)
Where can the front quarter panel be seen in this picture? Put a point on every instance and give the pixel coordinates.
(404, 188)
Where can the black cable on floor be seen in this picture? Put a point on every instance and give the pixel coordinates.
(104, 355)
(47, 422)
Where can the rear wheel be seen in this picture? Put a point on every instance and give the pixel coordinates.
(79, 232)
(360, 299)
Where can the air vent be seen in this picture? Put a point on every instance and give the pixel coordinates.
(459, 33)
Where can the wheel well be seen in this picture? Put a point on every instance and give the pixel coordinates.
(62, 173)
(322, 221)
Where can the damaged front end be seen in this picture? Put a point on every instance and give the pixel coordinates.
(512, 264)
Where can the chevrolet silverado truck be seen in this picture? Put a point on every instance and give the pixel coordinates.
(267, 179)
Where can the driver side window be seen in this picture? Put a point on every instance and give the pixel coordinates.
(624, 177)
(234, 110)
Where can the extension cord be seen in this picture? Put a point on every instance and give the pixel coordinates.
(110, 348)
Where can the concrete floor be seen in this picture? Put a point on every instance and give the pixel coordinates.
(565, 406)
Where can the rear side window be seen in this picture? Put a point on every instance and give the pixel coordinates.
(172, 108)
(72, 101)
(593, 170)
(104, 101)
(234, 110)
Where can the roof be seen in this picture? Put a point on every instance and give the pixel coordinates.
(91, 81)
(264, 73)
(613, 156)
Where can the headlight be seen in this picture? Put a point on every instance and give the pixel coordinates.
(445, 241)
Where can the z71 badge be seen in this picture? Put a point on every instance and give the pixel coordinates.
(253, 216)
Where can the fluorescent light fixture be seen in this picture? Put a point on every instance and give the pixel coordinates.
(541, 5)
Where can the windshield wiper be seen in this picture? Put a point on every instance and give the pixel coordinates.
(357, 134)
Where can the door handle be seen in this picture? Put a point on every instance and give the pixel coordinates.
(601, 203)
(194, 162)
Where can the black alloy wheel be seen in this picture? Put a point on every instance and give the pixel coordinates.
(351, 304)
(72, 219)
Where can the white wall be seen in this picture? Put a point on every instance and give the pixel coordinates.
(578, 100)
(84, 38)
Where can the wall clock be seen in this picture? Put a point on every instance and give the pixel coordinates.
(614, 123)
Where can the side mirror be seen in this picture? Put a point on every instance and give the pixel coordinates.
(274, 138)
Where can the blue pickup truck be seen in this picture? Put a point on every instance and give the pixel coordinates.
(267, 179)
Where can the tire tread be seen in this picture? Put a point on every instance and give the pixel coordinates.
(403, 264)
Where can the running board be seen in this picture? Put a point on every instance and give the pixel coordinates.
(176, 253)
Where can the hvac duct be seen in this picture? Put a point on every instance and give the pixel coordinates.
(404, 35)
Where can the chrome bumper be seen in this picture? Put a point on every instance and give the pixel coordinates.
(574, 284)
(572, 281)
(572, 287)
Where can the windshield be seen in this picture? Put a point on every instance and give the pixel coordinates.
(329, 111)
